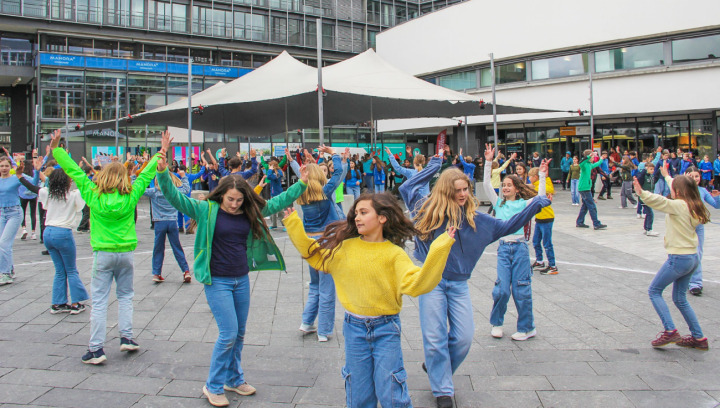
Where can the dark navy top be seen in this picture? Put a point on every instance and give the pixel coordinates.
(229, 246)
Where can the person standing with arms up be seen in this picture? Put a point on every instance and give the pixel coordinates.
(588, 203)
(232, 239)
(112, 201)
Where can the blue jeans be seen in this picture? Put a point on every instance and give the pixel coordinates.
(574, 191)
(10, 219)
(106, 267)
(355, 191)
(61, 246)
(379, 188)
(369, 183)
(183, 221)
(169, 228)
(374, 370)
(449, 304)
(320, 302)
(514, 274)
(678, 271)
(649, 215)
(588, 205)
(696, 280)
(229, 301)
(662, 188)
(542, 237)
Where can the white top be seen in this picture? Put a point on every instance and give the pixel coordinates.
(62, 214)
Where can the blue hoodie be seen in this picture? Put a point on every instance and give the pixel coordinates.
(469, 244)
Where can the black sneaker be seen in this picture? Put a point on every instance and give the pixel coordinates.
(444, 402)
(550, 270)
(696, 291)
(55, 309)
(600, 227)
(77, 309)
(601, 198)
(94, 357)
(424, 367)
(46, 252)
(128, 344)
(582, 226)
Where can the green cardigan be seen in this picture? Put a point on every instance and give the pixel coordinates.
(262, 254)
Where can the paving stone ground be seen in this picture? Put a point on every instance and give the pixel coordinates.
(594, 322)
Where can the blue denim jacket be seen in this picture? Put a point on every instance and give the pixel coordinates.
(162, 210)
(318, 214)
(275, 182)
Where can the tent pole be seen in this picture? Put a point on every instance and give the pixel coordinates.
(467, 149)
(318, 31)
(492, 78)
(188, 160)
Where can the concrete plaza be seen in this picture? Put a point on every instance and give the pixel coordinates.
(594, 321)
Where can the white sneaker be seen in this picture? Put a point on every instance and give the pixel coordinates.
(496, 332)
(651, 233)
(520, 336)
(33, 237)
(24, 235)
(308, 328)
(639, 216)
(322, 339)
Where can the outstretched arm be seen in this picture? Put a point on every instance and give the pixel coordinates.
(502, 228)
(410, 189)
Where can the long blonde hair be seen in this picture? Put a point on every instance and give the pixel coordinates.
(316, 182)
(175, 180)
(113, 177)
(441, 205)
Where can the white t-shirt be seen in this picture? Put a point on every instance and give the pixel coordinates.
(62, 214)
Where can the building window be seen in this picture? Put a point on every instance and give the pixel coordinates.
(694, 49)
(80, 46)
(279, 30)
(560, 67)
(61, 78)
(504, 74)
(458, 81)
(159, 15)
(4, 110)
(146, 83)
(106, 48)
(295, 32)
(16, 51)
(154, 52)
(178, 54)
(641, 56)
(53, 104)
(89, 11)
(10, 6)
(54, 44)
(35, 8)
(179, 18)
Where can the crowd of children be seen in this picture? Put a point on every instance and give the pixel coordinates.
(358, 256)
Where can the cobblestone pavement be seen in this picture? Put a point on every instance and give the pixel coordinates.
(594, 322)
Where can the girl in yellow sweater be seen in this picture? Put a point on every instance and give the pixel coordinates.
(365, 255)
(683, 213)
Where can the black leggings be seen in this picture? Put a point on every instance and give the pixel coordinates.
(33, 206)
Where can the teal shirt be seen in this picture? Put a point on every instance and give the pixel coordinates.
(510, 208)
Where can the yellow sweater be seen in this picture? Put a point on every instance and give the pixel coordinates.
(495, 178)
(547, 213)
(680, 236)
(371, 277)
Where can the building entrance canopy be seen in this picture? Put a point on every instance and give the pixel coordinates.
(282, 94)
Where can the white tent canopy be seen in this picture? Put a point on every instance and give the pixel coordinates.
(282, 94)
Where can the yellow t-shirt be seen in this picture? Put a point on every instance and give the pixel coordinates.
(547, 213)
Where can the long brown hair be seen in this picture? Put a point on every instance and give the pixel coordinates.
(397, 229)
(687, 190)
(252, 204)
(523, 190)
(441, 205)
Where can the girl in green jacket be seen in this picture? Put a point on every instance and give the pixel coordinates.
(232, 239)
(112, 201)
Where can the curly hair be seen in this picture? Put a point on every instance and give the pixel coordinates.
(58, 185)
(397, 229)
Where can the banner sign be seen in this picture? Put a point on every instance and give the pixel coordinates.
(441, 141)
(279, 151)
(62, 60)
(121, 64)
(180, 151)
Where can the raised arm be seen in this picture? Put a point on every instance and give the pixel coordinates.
(397, 167)
(502, 228)
(336, 178)
(410, 189)
(418, 280)
(487, 175)
(192, 177)
(303, 243)
(287, 197)
(253, 166)
(71, 168)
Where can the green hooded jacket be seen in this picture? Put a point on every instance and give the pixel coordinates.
(112, 215)
(262, 253)
(585, 169)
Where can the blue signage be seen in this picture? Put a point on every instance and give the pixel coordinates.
(146, 66)
(226, 72)
(62, 60)
(120, 64)
(107, 63)
(173, 68)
